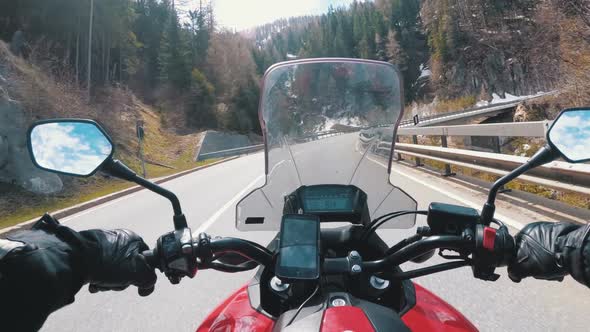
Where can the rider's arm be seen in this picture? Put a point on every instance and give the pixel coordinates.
(42, 269)
(550, 251)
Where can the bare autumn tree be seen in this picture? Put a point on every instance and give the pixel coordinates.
(579, 8)
(574, 47)
(394, 52)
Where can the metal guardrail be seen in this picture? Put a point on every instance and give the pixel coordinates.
(449, 116)
(230, 152)
(558, 175)
(510, 129)
(475, 111)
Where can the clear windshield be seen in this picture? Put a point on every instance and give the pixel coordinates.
(328, 121)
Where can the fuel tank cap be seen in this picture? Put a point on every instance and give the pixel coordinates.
(338, 302)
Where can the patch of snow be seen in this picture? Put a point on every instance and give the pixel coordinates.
(424, 72)
(291, 56)
(330, 122)
(497, 99)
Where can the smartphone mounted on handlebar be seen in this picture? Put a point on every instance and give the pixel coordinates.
(299, 248)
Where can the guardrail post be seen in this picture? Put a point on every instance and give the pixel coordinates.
(448, 172)
(418, 161)
(399, 155)
(498, 149)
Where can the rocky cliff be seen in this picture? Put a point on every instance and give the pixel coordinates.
(15, 164)
(484, 47)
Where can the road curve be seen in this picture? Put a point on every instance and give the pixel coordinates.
(208, 199)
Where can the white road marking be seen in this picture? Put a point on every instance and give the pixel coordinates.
(507, 220)
(227, 205)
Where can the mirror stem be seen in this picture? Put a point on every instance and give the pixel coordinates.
(118, 169)
(545, 155)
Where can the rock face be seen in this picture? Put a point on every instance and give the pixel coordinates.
(534, 112)
(492, 46)
(15, 163)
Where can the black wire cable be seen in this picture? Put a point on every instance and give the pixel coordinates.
(378, 224)
(376, 220)
(302, 305)
(372, 227)
(498, 222)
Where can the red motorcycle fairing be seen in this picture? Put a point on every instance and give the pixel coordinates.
(237, 315)
(429, 314)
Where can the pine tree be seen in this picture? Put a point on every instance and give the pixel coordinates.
(174, 68)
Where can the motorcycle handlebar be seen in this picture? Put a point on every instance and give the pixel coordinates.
(151, 258)
(418, 248)
(245, 248)
(263, 256)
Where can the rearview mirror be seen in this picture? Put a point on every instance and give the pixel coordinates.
(71, 147)
(570, 135)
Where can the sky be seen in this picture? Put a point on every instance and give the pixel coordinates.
(244, 14)
(76, 148)
(571, 134)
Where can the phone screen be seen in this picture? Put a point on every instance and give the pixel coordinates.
(299, 247)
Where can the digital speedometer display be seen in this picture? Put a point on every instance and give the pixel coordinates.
(328, 199)
(328, 204)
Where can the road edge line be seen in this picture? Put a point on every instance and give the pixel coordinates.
(69, 211)
(204, 226)
(507, 220)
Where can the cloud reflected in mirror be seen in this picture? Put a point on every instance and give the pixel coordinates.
(570, 134)
(76, 148)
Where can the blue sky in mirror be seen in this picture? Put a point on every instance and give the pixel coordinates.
(70, 147)
(571, 134)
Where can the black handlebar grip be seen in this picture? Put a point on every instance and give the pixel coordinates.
(143, 292)
(151, 258)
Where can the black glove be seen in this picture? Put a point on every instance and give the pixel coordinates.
(549, 251)
(118, 262)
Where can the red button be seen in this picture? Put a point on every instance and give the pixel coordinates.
(489, 238)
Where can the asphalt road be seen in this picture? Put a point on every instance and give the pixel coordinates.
(208, 198)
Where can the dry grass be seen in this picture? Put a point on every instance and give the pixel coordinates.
(451, 105)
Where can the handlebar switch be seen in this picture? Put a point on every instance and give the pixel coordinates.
(176, 253)
(448, 219)
(493, 248)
